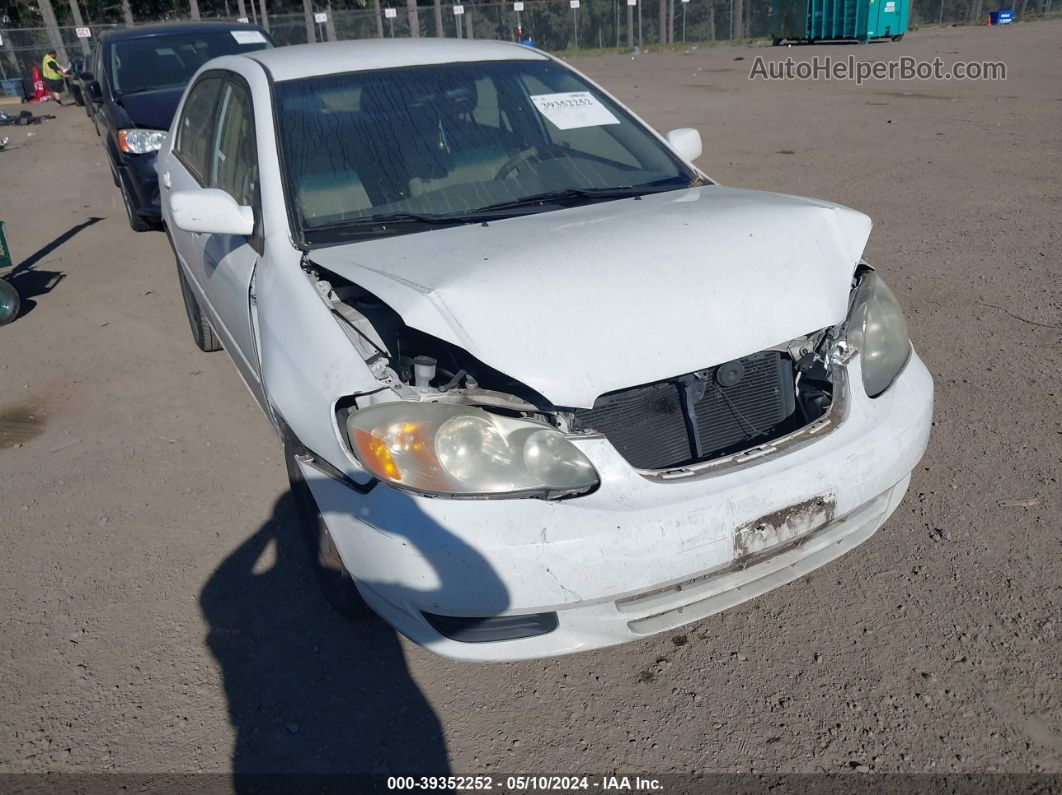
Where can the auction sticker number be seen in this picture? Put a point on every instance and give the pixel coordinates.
(572, 110)
(248, 37)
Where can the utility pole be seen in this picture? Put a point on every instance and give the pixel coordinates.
(330, 25)
(670, 21)
(661, 18)
(379, 19)
(439, 32)
(264, 21)
(48, 15)
(75, 12)
(630, 25)
(414, 20)
(307, 11)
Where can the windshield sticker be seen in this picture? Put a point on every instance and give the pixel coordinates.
(248, 37)
(573, 110)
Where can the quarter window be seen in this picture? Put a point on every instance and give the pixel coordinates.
(193, 132)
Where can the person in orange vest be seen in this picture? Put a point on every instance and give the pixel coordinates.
(53, 73)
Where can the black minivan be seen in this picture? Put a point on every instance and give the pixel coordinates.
(135, 82)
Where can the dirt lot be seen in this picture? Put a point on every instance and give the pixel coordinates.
(159, 615)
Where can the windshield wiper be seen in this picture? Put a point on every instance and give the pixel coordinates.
(378, 225)
(562, 196)
(382, 224)
(596, 194)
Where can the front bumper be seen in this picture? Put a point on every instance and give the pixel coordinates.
(142, 181)
(639, 555)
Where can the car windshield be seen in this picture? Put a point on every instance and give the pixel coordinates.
(393, 151)
(153, 63)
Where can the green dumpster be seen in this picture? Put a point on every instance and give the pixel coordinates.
(9, 300)
(836, 20)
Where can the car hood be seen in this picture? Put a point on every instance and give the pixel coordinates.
(152, 110)
(583, 301)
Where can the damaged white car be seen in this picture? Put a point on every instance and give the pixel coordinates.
(542, 385)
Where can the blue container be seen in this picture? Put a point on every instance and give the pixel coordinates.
(12, 87)
(1001, 17)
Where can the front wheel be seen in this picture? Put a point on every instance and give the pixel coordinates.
(9, 302)
(202, 332)
(332, 576)
(136, 220)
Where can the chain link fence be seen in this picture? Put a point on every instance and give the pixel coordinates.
(23, 48)
(555, 25)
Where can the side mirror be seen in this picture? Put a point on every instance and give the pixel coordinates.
(94, 91)
(686, 142)
(210, 211)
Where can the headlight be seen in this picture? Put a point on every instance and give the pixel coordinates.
(140, 142)
(876, 327)
(461, 451)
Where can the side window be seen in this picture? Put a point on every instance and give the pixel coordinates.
(234, 157)
(193, 132)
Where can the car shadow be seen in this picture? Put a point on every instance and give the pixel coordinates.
(31, 281)
(309, 693)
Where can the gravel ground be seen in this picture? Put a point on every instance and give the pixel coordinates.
(159, 615)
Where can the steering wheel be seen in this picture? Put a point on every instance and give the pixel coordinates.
(532, 154)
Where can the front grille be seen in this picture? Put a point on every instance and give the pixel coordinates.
(698, 416)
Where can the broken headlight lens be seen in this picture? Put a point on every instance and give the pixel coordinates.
(876, 327)
(462, 451)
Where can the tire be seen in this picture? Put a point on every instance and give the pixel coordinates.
(136, 221)
(202, 331)
(10, 303)
(335, 582)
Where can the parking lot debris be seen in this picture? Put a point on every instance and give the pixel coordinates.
(23, 118)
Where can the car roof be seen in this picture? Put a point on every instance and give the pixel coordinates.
(168, 28)
(311, 60)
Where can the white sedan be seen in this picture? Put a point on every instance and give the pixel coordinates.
(542, 385)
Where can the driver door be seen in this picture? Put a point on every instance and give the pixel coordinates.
(228, 261)
(222, 153)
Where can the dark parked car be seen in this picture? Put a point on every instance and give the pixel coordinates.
(74, 84)
(135, 82)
